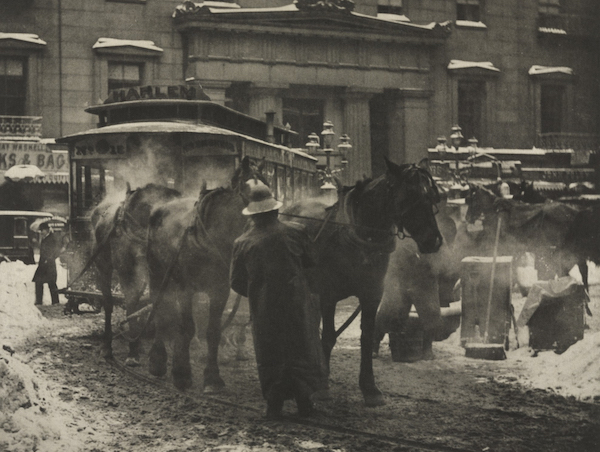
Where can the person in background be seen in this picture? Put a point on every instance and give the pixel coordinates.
(268, 267)
(50, 248)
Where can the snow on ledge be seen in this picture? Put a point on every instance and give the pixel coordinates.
(470, 24)
(460, 64)
(103, 43)
(25, 37)
(539, 70)
(393, 17)
(552, 31)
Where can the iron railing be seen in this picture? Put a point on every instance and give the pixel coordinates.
(572, 141)
(29, 127)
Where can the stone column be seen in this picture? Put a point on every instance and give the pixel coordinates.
(417, 132)
(215, 89)
(357, 124)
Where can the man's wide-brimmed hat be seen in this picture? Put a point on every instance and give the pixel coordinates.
(261, 200)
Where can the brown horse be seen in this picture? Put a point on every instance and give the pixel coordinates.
(354, 239)
(190, 243)
(120, 230)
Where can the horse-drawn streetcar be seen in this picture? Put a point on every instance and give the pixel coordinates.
(174, 137)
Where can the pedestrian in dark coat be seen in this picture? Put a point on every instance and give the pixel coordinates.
(46, 271)
(268, 267)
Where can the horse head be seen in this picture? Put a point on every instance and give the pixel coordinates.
(139, 202)
(480, 201)
(412, 196)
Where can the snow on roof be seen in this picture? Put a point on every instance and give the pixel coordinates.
(460, 64)
(220, 9)
(393, 17)
(102, 43)
(538, 70)
(470, 23)
(227, 5)
(25, 37)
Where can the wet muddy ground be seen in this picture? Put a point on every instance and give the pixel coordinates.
(450, 403)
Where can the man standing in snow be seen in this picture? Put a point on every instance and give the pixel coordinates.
(46, 271)
(268, 267)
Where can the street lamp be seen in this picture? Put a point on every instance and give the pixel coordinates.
(313, 143)
(472, 147)
(328, 134)
(344, 147)
(441, 148)
(456, 139)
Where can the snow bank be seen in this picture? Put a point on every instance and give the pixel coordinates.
(31, 417)
(20, 319)
(574, 373)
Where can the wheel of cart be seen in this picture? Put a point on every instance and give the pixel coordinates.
(77, 298)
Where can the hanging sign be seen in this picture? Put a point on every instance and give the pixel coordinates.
(38, 154)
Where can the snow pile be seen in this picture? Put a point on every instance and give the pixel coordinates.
(30, 418)
(19, 317)
(575, 372)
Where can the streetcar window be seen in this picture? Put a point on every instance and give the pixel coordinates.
(269, 174)
(6, 231)
(281, 184)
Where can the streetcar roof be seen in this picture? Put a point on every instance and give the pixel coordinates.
(162, 127)
(24, 213)
(231, 115)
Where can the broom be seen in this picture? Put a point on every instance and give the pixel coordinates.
(485, 350)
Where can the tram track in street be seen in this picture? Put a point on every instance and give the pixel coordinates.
(403, 444)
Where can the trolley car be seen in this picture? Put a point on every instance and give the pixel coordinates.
(174, 136)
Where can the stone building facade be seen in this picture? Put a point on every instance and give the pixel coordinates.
(392, 74)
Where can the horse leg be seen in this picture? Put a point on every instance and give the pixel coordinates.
(132, 305)
(182, 370)
(157, 357)
(328, 337)
(104, 281)
(583, 269)
(366, 381)
(218, 300)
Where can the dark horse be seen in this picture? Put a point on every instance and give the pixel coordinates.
(190, 243)
(354, 239)
(542, 229)
(120, 230)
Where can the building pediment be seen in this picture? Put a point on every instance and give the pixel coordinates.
(320, 18)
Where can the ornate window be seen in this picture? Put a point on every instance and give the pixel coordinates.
(552, 102)
(469, 10)
(553, 97)
(471, 106)
(390, 7)
(124, 63)
(124, 75)
(549, 14)
(13, 86)
(472, 96)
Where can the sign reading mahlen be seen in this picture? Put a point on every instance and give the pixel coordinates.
(183, 92)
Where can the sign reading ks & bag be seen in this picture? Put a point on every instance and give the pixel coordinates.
(38, 154)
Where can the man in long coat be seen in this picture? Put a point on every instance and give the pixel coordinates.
(46, 271)
(268, 268)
